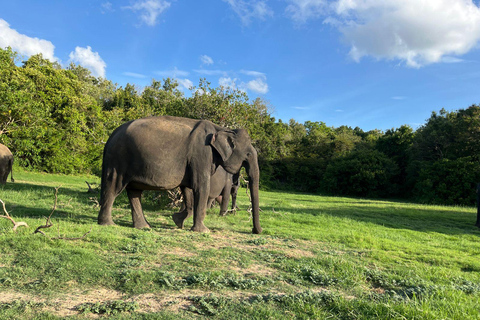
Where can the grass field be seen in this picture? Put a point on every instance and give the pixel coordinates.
(318, 258)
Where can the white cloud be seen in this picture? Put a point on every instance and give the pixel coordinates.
(258, 85)
(174, 73)
(185, 83)
(106, 7)
(206, 60)
(211, 72)
(254, 74)
(416, 32)
(90, 60)
(228, 82)
(301, 108)
(149, 10)
(302, 10)
(23, 44)
(135, 75)
(250, 9)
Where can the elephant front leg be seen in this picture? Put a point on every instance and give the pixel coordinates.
(200, 210)
(138, 217)
(187, 208)
(224, 197)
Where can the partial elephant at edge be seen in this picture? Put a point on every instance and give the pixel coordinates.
(6, 164)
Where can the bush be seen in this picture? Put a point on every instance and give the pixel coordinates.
(448, 182)
(366, 173)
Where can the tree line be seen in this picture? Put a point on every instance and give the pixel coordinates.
(57, 120)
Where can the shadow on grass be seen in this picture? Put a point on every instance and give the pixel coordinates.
(393, 215)
(17, 207)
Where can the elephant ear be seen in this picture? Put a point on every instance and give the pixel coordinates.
(224, 143)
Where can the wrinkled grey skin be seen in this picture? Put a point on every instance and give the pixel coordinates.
(6, 164)
(161, 153)
(222, 185)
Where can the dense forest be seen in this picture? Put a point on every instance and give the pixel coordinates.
(57, 119)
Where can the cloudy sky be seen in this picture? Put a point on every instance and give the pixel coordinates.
(375, 64)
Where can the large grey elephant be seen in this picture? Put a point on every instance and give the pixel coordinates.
(158, 153)
(6, 164)
(222, 185)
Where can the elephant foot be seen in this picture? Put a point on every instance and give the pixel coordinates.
(200, 228)
(178, 218)
(257, 231)
(143, 225)
(106, 222)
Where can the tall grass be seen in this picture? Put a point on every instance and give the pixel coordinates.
(319, 257)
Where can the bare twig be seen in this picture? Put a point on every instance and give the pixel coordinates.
(77, 238)
(175, 197)
(7, 216)
(95, 201)
(48, 223)
(90, 189)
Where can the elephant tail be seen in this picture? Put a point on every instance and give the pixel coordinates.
(11, 170)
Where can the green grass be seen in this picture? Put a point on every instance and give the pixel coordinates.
(319, 257)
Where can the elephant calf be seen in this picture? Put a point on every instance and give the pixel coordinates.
(161, 153)
(222, 186)
(6, 164)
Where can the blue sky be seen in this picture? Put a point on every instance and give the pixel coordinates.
(375, 64)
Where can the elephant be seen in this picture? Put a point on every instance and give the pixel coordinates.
(6, 164)
(222, 185)
(222, 188)
(163, 152)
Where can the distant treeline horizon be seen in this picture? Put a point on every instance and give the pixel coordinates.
(57, 120)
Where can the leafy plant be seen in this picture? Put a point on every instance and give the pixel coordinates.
(108, 307)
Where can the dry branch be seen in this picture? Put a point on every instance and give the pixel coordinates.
(49, 223)
(90, 189)
(7, 216)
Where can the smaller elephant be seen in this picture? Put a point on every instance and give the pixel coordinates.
(6, 164)
(222, 185)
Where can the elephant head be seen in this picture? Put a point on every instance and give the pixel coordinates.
(235, 150)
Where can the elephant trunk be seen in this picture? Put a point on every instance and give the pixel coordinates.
(253, 183)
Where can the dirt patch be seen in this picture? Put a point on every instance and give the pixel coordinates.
(65, 305)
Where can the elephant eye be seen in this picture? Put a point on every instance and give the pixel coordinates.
(249, 154)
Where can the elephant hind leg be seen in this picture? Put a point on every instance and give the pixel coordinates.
(135, 197)
(111, 187)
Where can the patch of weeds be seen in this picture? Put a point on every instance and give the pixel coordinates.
(273, 257)
(315, 276)
(399, 289)
(132, 262)
(468, 287)
(135, 281)
(168, 280)
(41, 284)
(6, 282)
(306, 297)
(258, 241)
(133, 247)
(108, 307)
(382, 280)
(22, 306)
(219, 281)
(209, 305)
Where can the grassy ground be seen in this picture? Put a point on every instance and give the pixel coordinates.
(318, 258)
